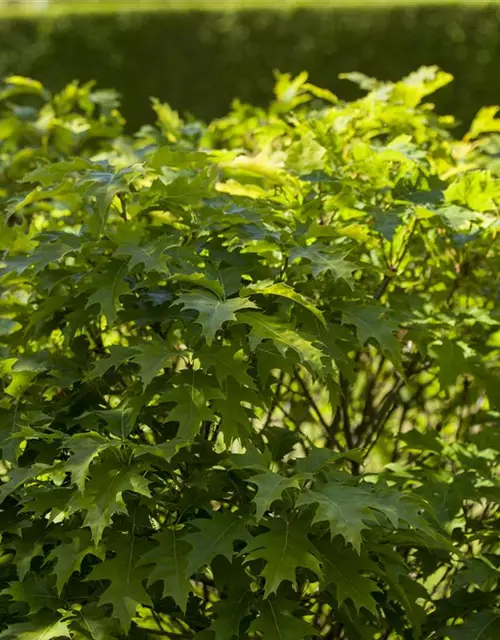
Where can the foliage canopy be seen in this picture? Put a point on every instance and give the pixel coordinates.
(249, 370)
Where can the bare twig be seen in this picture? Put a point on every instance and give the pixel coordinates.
(332, 440)
(344, 403)
(275, 400)
(386, 409)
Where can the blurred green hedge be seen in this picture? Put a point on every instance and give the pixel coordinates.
(198, 60)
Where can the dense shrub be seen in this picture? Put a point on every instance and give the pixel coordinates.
(249, 371)
(200, 60)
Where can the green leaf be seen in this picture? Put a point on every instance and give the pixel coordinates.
(229, 614)
(236, 419)
(17, 477)
(226, 361)
(87, 447)
(152, 357)
(109, 286)
(407, 591)
(47, 253)
(275, 623)
(452, 362)
(161, 461)
(168, 157)
(458, 217)
(117, 356)
(268, 288)
(68, 557)
(285, 548)
(200, 280)
(119, 421)
(165, 451)
(36, 591)
(186, 190)
(8, 326)
(374, 323)
(484, 122)
(306, 154)
(104, 186)
(26, 549)
(475, 189)
(150, 256)
(191, 409)
(44, 627)
(284, 338)
(479, 571)
(170, 560)
(270, 487)
(94, 623)
(346, 509)
(484, 625)
(20, 382)
(324, 461)
(215, 536)
(324, 260)
(345, 571)
(387, 222)
(101, 505)
(212, 311)
(125, 591)
(46, 173)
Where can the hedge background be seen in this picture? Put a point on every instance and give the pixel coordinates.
(198, 60)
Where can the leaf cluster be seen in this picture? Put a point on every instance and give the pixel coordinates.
(249, 370)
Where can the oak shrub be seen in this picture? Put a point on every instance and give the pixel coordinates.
(249, 369)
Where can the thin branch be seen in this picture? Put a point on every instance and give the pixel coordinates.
(404, 411)
(387, 408)
(344, 403)
(328, 428)
(463, 422)
(333, 428)
(275, 400)
(368, 409)
(383, 287)
(121, 198)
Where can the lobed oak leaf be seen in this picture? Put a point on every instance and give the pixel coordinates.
(275, 622)
(125, 591)
(169, 561)
(216, 536)
(323, 260)
(346, 509)
(191, 409)
(68, 556)
(103, 495)
(268, 288)
(213, 312)
(226, 361)
(118, 354)
(86, 447)
(374, 322)
(285, 547)
(109, 286)
(345, 571)
(270, 487)
(43, 627)
(283, 337)
(152, 357)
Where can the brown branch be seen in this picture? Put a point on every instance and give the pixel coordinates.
(328, 428)
(368, 409)
(344, 403)
(395, 451)
(275, 400)
(386, 409)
